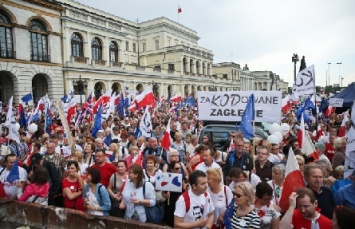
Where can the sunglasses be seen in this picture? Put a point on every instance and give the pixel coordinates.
(237, 195)
(177, 168)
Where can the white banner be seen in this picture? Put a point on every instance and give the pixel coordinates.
(305, 82)
(335, 102)
(145, 125)
(229, 106)
(171, 182)
(350, 146)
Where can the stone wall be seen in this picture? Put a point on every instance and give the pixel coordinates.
(38, 216)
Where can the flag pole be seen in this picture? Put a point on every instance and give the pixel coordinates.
(254, 149)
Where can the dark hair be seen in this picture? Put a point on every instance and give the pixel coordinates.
(122, 161)
(292, 141)
(151, 158)
(97, 150)
(92, 146)
(40, 175)
(193, 177)
(75, 163)
(9, 155)
(95, 174)
(37, 145)
(344, 217)
(136, 169)
(208, 147)
(263, 189)
(235, 172)
(172, 165)
(286, 150)
(303, 192)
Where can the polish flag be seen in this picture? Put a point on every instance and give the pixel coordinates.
(301, 133)
(138, 158)
(70, 109)
(176, 98)
(132, 107)
(104, 99)
(329, 111)
(146, 98)
(179, 9)
(293, 180)
(307, 146)
(286, 104)
(166, 140)
(342, 129)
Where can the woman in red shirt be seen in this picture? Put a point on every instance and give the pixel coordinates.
(73, 187)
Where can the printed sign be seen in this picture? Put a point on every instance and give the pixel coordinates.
(229, 106)
(335, 102)
(171, 182)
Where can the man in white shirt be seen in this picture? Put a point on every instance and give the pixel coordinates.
(194, 208)
(11, 188)
(208, 160)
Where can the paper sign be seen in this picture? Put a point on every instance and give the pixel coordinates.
(336, 102)
(171, 182)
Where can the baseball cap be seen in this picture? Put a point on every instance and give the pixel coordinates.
(130, 134)
(36, 158)
(319, 146)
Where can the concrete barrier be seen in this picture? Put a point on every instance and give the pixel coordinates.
(39, 216)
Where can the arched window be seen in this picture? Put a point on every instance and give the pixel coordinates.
(39, 44)
(76, 45)
(96, 49)
(6, 44)
(113, 52)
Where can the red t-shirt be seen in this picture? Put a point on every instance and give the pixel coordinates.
(194, 166)
(77, 203)
(299, 222)
(329, 151)
(106, 172)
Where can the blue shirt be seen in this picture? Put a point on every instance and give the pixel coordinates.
(346, 196)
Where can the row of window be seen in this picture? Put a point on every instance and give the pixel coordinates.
(38, 39)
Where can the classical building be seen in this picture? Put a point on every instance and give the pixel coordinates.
(53, 46)
(109, 52)
(30, 43)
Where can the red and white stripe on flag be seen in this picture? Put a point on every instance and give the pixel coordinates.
(176, 98)
(146, 98)
(286, 104)
(293, 180)
(301, 133)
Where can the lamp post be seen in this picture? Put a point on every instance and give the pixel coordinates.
(339, 73)
(295, 60)
(329, 73)
(81, 85)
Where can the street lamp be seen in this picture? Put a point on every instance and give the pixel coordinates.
(329, 73)
(295, 60)
(81, 85)
(339, 74)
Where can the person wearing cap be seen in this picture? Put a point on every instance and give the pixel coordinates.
(345, 196)
(100, 134)
(53, 177)
(131, 141)
(116, 133)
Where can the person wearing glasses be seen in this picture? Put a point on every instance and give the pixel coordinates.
(169, 206)
(265, 207)
(241, 214)
(262, 165)
(106, 169)
(238, 158)
(209, 155)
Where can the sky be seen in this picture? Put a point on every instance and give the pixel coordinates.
(262, 34)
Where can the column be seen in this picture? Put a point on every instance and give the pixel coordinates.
(121, 53)
(88, 46)
(105, 51)
(67, 44)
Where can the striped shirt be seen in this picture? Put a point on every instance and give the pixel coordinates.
(248, 221)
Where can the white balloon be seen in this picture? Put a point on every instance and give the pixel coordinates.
(279, 136)
(17, 126)
(275, 127)
(273, 139)
(285, 128)
(32, 128)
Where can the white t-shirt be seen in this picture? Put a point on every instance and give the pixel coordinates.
(276, 159)
(220, 201)
(254, 181)
(11, 188)
(200, 206)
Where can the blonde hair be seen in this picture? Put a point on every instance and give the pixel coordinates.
(215, 174)
(78, 154)
(247, 188)
(338, 142)
(115, 146)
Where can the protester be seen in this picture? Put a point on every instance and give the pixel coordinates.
(37, 190)
(96, 197)
(106, 169)
(277, 182)
(343, 218)
(73, 186)
(345, 196)
(134, 200)
(262, 165)
(194, 208)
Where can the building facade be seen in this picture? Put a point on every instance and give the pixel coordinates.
(54, 46)
(30, 42)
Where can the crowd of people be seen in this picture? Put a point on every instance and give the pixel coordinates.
(238, 186)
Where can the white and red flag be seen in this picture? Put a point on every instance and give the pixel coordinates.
(286, 104)
(103, 100)
(342, 129)
(146, 98)
(166, 140)
(293, 180)
(301, 133)
(176, 98)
